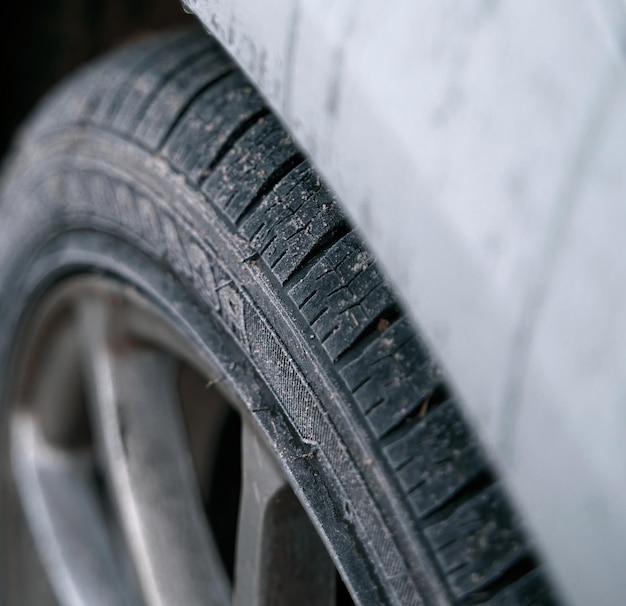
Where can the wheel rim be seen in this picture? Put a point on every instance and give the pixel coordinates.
(110, 462)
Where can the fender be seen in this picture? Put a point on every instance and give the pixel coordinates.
(479, 148)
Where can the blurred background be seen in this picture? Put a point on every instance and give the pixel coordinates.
(43, 40)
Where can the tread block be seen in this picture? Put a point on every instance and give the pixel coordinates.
(391, 377)
(114, 90)
(292, 220)
(436, 459)
(342, 294)
(210, 123)
(478, 543)
(530, 590)
(171, 100)
(137, 94)
(255, 163)
(118, 80)
(76, 98)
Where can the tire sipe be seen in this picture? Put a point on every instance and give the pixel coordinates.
(160, 168)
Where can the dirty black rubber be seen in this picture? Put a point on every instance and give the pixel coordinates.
(163, 167)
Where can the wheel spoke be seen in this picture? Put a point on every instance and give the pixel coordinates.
(55, 396)
(134, 407)
(281, 560)
(54, 472)
(60, 499)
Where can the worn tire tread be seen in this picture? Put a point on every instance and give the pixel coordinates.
(182, 98)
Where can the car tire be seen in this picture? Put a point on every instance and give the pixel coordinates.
(161, 168)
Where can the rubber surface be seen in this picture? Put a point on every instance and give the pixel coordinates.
(166, 149)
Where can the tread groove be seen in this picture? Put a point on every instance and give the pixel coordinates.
(274, 179)
(523, 585)
(141, 107)
(437, 396)
(518, 570)
(385, 319)
(237, 134)
(189, 103)
(317, 252)
(447, 509)
(107, 113)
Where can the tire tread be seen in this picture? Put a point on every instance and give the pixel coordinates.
(207, 122)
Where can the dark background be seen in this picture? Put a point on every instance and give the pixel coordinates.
(43, 40)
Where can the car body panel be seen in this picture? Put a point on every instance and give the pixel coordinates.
(479, 148)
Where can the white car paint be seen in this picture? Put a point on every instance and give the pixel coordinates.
(480, 147)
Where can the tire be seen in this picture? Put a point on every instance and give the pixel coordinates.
(162, 168)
